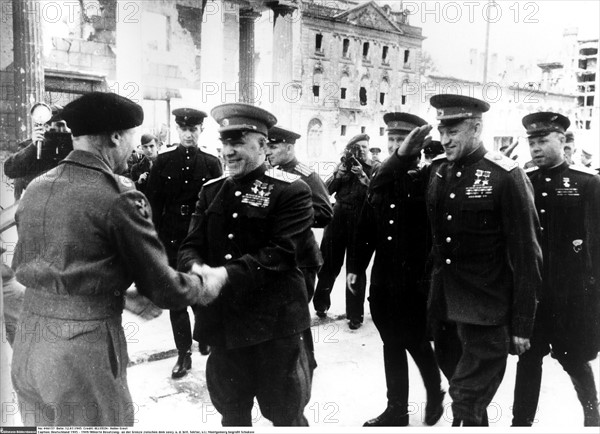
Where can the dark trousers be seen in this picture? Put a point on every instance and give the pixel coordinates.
(180, 319)
(480, 353)
(276, 372)
(398, 338)
(310, 277)
(337, 238)
(529, 379)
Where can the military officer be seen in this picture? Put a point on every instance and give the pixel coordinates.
(567, 198)
(349, 182)
(85, 235)
(281, 153)
(486, 257)
(393, 224)
(245, 234)
(375, 154)
(173, 186)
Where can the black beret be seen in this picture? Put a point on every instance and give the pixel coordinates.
(100, 112)
(188, 117)
(358, 138)
(543, 123)
(239, 116)
(402, 122)
(455, 108)
(281, 135)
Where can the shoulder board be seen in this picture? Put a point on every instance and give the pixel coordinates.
(501, 160)
(125, 184)
(281, 175)
(583, 169)
(215, 180)
(303, 169)
(439, 157)
(531, 169)
(166, 149)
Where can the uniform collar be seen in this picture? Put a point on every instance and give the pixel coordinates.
(87, 159)
(473, 157)
(187, 150)
(249, 177)
(289, 165)
(556, 169)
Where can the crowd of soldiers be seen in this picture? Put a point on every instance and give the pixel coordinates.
(470, 251)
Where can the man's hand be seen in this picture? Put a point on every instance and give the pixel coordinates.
(37, 135)
(360, 174)
(508, 151)
(340, 171)
(350, 281)
(213, 280)
(520, 345)
(415, 141)
(143, 177)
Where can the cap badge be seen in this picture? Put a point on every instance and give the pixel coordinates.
(225, 122)
(577, 245)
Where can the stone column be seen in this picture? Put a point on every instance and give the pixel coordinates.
(247, 77)
(283, 44)
(28, 65)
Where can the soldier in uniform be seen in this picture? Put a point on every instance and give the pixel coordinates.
(375, 152)
(85, 234)
(140, 171)
(173, 186)
(569, 147)
(349, 182)
(567, 198)
(393, 224)
(245, 236)
(281, 153)
(486, 257)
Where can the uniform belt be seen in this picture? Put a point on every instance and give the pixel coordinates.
(184, 210)
(72, 307)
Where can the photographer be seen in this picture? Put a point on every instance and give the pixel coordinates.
(349, 182)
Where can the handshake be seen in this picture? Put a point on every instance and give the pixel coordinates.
(212, 281)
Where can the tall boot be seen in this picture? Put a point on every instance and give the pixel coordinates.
(395, 414)
(582, 378)
(183, 364)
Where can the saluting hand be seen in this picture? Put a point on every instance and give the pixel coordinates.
(415, 141)
(213, 280)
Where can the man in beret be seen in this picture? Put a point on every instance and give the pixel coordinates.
(281, 153)
(486, 257)
(85, 235)
(141, 170)
(567, 325)
(173, 186)
(393, 224)
(349, 182)
(245, 233)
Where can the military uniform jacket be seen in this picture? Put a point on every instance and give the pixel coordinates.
(486, 255)
(308, 252)
(143, 166)
(86, 232)
(173, 186)
(348, 189)
(252, 227)
(567, 199)
(25, 164)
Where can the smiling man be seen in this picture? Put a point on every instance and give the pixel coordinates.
(567, 198)
(245, 234)
(486, 257)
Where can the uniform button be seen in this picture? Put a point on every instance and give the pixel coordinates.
(186, 182)
(449, 218)
(391, 222)
(389, 238)
(544, 194)
(117, 293)
(548, 179)
(182, 168)
(187, 168)
(230, 236)
(458, 174)
(542, 211)
(228, 256)
(452, 195)
(187, 158)
(541, 228)
(168, 177)
(238, 193)
(234, 215)
(448, 261)
(393, 206)
(448, 239)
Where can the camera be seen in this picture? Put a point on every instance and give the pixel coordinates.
(350, 157)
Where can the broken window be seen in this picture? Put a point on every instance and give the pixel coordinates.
(319, 43)
(345, 47)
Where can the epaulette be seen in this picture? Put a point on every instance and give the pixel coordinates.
(501, 160)
(303, 169)
(214, 180)
(166, 149)
(583, 169)
(281, 175)
(531, 169)
(439, 157)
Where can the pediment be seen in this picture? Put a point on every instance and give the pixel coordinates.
(369, 15)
